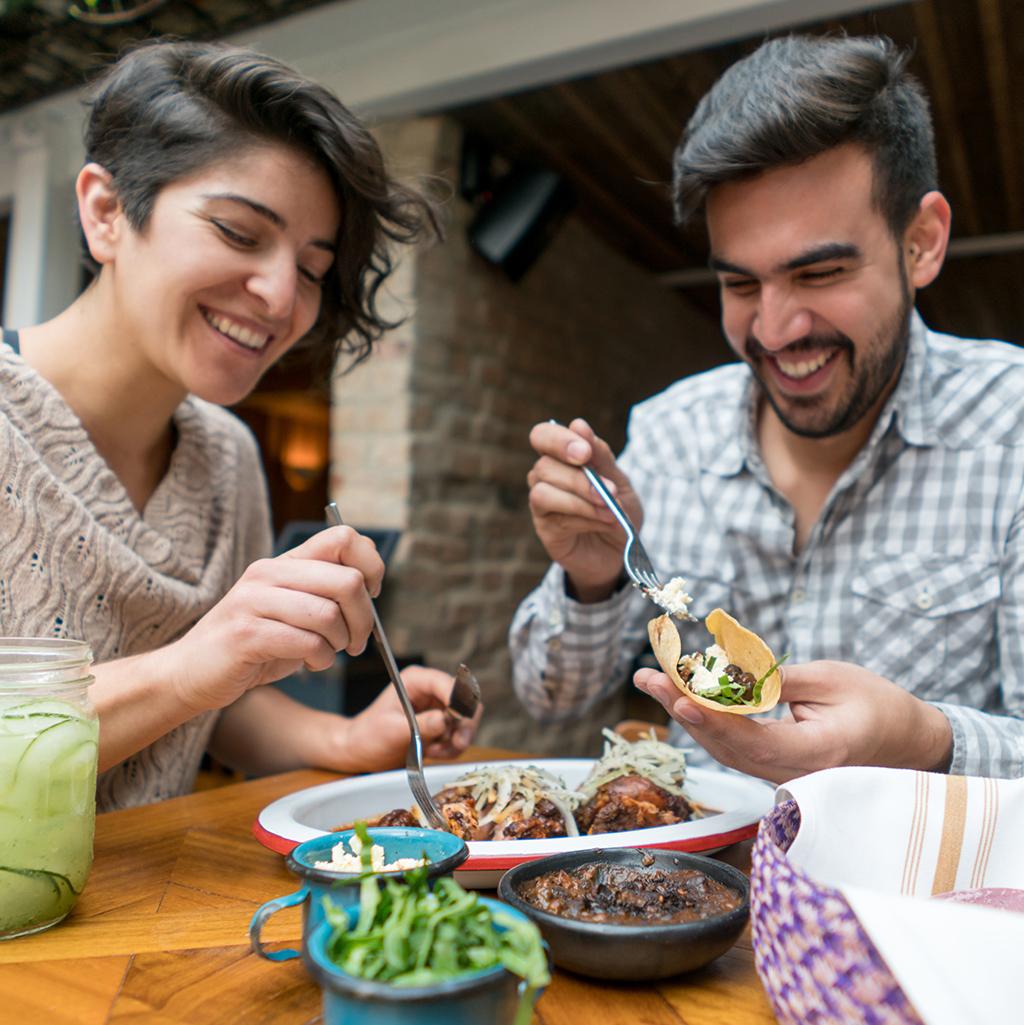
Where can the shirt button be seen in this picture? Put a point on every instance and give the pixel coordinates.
(925, 601)
(797, 595)
(555, 619)
(554, 644)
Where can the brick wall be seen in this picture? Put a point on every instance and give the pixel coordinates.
(431, 434)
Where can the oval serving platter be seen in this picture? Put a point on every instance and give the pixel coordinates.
(740, 802)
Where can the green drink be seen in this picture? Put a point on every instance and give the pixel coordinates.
(48, 752)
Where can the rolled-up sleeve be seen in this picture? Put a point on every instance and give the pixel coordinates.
(985, 744)
(567, 656)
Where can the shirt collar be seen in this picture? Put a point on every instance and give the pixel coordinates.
(735, 436)
(907, 405)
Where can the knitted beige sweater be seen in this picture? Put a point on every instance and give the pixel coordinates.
(77, 560)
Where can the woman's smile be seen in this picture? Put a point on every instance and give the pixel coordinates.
(244, 335)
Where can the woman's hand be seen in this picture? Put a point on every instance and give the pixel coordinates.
(378, 737)
(296, 610)
(840, 714)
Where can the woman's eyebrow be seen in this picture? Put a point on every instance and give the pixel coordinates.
(264, 211)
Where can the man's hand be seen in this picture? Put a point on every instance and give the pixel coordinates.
(296, 610)
(378, 737)
(571, 520)
(840, 714)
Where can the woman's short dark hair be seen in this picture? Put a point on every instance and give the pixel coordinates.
(796, 97)
(165, 110)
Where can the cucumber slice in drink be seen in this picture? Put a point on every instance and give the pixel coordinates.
(20, 724)
(20, 708)
(73, 778)
(30, 897)
(12, 750)
(52, 744)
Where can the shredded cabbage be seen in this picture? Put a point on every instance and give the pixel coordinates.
(506, 790)
(663, 764)
(502, 791)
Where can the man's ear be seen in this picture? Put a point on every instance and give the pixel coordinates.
(926, 239)
(99, 212)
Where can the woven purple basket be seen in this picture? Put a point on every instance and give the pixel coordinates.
(816, 962)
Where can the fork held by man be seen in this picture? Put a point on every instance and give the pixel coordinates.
(579, 500)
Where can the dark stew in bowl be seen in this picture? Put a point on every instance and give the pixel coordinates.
(600, 892)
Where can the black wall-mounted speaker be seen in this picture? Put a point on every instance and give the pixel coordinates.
(515, 224)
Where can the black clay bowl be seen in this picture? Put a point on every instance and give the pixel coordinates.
(608, 950)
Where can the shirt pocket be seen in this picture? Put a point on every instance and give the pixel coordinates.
(912, 610)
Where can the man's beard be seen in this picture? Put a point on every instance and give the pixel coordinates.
(872, 371)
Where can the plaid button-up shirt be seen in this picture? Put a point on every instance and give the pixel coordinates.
(914, 569)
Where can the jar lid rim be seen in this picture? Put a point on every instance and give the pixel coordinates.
(42, 654)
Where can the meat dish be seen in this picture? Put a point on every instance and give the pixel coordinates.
(602, 892)
(632, 786)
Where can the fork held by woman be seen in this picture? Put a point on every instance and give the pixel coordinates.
(414, 756)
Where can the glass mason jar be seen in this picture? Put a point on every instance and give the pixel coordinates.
(49, 737)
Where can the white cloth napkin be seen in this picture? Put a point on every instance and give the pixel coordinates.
(891, 838)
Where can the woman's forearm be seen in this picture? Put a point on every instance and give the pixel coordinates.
(265, 731)
(137, 701)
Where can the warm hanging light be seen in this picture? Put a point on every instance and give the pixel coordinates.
(298, 434)
(303, 454)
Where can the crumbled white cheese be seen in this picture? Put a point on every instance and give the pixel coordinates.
(672, 598)
(343, 860)
(704, 680)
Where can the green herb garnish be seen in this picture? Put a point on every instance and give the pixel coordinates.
(760, 683)
(408, 934)
(731, 693)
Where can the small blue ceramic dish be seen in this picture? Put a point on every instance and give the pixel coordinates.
(489, 997)
(443, 851)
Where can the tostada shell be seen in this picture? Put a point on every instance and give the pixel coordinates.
(743, 647)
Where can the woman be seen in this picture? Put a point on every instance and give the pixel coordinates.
(231, 209)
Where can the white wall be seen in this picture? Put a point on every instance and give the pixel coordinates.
(41, 153)
(385, 58)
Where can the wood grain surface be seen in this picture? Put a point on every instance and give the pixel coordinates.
(160, 935)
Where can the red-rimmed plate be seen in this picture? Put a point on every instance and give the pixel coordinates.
(739, 800)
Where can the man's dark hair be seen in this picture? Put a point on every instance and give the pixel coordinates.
(165, 110)
(796, 97)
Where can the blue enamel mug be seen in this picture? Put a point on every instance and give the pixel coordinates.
(488, 997)
(443, 851)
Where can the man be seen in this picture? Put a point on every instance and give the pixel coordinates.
(851, 490)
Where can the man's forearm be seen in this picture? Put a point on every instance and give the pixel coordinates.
(938, 752)
(591, 594)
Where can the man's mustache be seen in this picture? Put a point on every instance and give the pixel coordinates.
(810, 343)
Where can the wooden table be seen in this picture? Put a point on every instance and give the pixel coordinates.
(160, 936)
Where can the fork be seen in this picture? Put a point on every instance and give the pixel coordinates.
(635, 559)
(414, 754)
